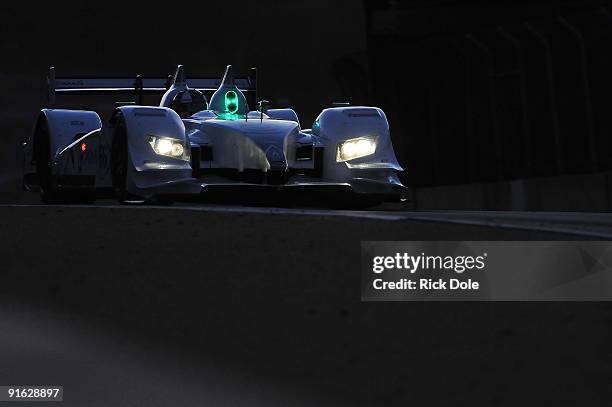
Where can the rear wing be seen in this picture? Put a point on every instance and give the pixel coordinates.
(139, 86)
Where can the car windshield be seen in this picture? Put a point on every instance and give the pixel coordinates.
(229, 116)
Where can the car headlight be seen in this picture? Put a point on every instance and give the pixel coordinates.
(356, 148)
(168, 147)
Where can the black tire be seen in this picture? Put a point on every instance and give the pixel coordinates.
(49, 193)
(119, 163)
(119, 168)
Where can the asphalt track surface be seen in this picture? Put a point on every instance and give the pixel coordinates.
(595, 225)
(231, 305)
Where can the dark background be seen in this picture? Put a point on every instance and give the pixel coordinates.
(474, 91)
(276, 298)
(494, 90)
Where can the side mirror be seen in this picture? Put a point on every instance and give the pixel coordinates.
(262, 107)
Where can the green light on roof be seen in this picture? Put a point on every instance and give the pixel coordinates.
(231, 101)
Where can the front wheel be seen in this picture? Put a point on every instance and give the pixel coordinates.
(119, 164)
(49, 193)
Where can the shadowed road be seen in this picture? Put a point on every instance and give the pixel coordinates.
(263, 307)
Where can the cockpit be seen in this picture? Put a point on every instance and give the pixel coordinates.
(227, 102)
(188, 102)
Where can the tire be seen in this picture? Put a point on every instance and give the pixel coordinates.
(120, 162)
(49, 193)
(119, 168)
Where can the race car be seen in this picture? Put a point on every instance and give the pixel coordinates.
(193, 147)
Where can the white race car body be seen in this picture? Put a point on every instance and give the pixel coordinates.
(224, 147)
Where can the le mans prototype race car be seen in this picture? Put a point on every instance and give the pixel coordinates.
(189, 147)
